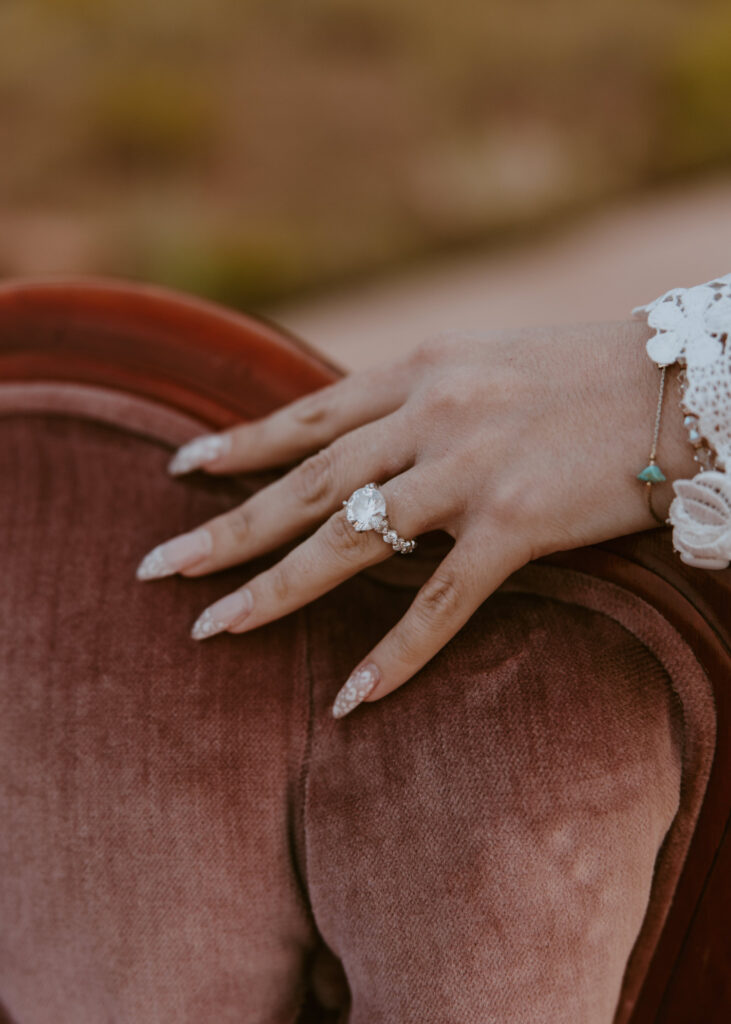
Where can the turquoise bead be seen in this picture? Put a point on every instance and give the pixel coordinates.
(652, 474)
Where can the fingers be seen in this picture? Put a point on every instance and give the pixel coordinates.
(439, 610)
(298, 428)
(332, 554)
(290, 506)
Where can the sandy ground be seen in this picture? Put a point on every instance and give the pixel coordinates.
(597, 269)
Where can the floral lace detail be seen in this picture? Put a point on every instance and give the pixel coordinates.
(701, 515)
(689, 320)
(693, 328)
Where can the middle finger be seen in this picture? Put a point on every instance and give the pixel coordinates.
(288, 507)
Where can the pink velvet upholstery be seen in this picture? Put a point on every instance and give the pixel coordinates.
(188, 835)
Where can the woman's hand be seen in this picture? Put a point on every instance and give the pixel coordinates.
(516, 443)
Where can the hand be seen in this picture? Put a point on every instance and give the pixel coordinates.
(516, 443)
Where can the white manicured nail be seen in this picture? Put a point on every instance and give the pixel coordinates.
(224, 613)
(199, 452)
(176, 554)
(356, 689)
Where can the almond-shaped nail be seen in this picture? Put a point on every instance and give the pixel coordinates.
(176, 554)
(199, 452)
(360, 683)
(224, 613)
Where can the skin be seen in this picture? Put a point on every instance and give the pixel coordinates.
(516, 443)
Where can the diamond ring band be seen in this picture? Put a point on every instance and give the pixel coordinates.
(366, 510)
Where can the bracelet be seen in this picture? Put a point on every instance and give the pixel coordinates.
(652, 474)
(693, 328)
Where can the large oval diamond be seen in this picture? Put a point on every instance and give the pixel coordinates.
(365, 507)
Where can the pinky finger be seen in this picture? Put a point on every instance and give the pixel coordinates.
(440, 609)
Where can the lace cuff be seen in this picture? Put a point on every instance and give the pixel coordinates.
(693, 328)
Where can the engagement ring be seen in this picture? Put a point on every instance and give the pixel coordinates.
(366, 510)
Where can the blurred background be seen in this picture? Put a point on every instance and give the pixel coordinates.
(370, 171)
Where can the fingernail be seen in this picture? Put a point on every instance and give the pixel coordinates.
(176, 554)
(356, 689)
(221, 615)
(199, 452)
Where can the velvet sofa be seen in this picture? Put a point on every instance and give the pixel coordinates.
(98, 382)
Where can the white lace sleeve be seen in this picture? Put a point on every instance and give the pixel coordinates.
(693, 328)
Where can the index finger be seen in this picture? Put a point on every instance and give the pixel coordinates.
(296, 429)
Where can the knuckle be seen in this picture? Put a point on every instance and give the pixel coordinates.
(450, 395)
(438, 600)
(238, 524)
(434, 349)
(510, 503)
(449, 346)
(278, 584)
(312, 480)
(344, 541)
(314, 408)
(516, 520)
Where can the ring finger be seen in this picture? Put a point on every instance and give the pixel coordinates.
(331, 555)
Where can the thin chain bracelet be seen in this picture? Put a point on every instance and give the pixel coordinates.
(652, 474)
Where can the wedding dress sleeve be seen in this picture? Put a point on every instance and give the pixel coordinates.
(693, 328)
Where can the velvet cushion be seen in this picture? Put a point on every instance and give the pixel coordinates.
(189, 835)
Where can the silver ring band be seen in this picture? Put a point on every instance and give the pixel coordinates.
(366, 510)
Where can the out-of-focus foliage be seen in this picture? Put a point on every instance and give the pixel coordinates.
(250, 149)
